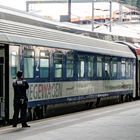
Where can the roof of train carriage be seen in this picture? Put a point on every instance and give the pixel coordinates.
(14, 32)
(134, 47)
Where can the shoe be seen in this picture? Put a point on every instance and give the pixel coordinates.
(25, 125)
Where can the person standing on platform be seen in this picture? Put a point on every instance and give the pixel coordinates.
(20, 100)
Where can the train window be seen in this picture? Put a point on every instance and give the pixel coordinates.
(114, 67)
(123, 68)
(28, 63)
(107, 67)
(69, 65)
(58, 57)
(107, 70)
(13, 64)
(81, 66)
(44, 64)
(99, 66)
(90, 66)
(128, 69)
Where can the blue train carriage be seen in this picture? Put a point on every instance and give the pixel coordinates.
(136, 50)
(62, 68)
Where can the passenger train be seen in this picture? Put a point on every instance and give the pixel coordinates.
(63, 68)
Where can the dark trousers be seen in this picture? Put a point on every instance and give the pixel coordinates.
(22, 109)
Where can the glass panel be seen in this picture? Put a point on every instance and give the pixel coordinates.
(123, 68)
(114, 69)
(90, 66)
(58, 69)
(28, 63)
(58, 56)
(69, 65)
(81, 67)
(69, 68)
(99, 67)
(44, 68)
(13, 72)
(14, 64)
(44, 54)
(29, 53)
(128, 69)
(107, 70)
(28, 67)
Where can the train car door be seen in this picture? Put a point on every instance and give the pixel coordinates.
(2, 84)
(138, 79)
(137, 50)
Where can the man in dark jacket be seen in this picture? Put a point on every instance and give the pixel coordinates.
(20, 100)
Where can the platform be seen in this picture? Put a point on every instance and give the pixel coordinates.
(117, 122)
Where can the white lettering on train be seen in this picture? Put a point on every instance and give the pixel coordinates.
(44, 91)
